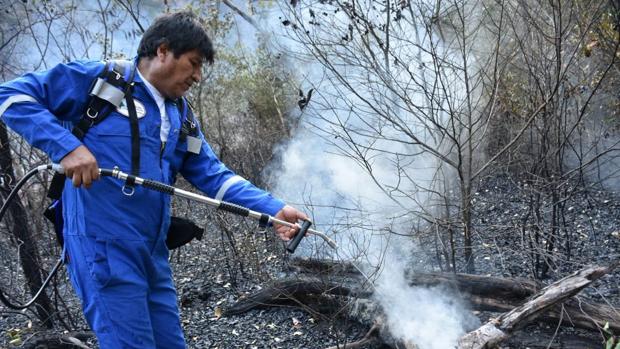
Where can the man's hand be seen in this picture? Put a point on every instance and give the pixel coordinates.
(289, 214)
(81, 166)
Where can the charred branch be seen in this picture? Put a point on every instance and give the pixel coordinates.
(311, 294)
(55, 340)
(499, 329)
(243, 15)
(484, 293)
(369, 338)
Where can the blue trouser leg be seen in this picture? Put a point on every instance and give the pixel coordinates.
(127, 294)
(162, 303)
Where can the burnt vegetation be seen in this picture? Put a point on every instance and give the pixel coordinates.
(489, 129)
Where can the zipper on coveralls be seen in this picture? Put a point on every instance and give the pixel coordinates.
(161, 153)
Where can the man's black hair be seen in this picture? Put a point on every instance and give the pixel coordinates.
(181, 31)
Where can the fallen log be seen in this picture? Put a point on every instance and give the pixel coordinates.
(586, 315)
(484, 293)
(506, 289)
(350, 296)
(317, 297)
(330, 288)
(497, 330)
(550, 340)
(308, 293)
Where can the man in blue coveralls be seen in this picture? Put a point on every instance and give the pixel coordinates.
(118, 259)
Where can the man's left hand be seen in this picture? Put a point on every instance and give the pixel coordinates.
(289, 214)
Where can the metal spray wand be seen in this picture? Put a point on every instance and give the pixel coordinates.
(263, 218)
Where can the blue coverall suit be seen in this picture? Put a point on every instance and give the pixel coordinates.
(118, 260)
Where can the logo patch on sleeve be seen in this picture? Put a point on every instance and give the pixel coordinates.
(140, 109)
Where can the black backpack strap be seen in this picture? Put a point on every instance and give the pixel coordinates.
(189, 126)
(135, 136)
(108, 90)
(189, 129)
(128, 68)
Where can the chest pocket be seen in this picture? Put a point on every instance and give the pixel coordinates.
(117, 125)
(111, 143)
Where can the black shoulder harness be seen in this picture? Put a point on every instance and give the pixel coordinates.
(107, 92)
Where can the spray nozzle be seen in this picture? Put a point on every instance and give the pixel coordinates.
(325, 238)
(303, 231)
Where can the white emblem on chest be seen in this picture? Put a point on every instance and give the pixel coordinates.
(140, 109)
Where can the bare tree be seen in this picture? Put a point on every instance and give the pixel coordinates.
(563, 145)
(36, 36)
(425, 82)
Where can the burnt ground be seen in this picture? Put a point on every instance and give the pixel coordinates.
(505, 234)
(211, 275)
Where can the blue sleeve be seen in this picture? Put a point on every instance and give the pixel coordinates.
(206, 172)
(37, 104)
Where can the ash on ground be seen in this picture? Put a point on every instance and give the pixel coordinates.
(234, 259)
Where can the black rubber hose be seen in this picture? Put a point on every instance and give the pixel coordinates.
(8, 303)
(5, 206)
(106, 172)
(20, 183)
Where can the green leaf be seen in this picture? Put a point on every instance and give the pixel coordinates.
(617, 345)
(610, 343)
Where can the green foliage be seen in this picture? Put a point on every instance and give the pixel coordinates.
(252, 82)
(15, 338)
(246, 98)
(612, 342)
(588, 73)
(601, 43)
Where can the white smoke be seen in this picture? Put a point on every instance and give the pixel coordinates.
(429, 317)
(370, 208)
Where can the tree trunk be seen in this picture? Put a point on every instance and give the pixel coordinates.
(28, 253)
(468, 249)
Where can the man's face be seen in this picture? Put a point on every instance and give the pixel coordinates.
(178, 74)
